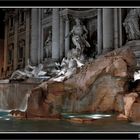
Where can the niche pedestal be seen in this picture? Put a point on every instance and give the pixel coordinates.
(135, 46)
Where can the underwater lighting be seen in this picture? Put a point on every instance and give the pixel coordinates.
(71, 116)
(107, 115)
(93, 116)
(7, 119)
(96, 117)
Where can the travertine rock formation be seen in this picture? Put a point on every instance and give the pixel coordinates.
(134, 114)
(98, 86)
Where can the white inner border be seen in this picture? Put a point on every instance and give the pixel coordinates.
(30, 7)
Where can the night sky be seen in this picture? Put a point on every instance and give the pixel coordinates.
(1, 24)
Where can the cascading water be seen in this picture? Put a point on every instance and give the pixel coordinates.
(24, 103)
(3, 102)
(13, 96)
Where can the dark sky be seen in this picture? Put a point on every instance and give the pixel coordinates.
(1, 24)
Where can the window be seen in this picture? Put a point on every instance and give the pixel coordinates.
(10, 53)
(20, 53)
(11, 22)
(21, 17)
(21, 50)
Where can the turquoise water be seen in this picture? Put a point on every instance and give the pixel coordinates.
(102, 124)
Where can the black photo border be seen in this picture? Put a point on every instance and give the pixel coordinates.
(68, 3)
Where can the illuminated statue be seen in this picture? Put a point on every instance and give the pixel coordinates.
(48, 45)
(131, 24)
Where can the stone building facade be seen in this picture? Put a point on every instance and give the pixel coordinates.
(1, 58)
(26, 31)
(17, 39)
(1, 43)
(60, 22)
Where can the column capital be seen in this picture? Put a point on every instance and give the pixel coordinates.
(47, 11)
(67, 17)
(6, 19)
(99, 31)
(56, 8)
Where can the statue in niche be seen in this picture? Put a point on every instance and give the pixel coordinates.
(131, 24)
(48, 45)
(79, 36)
(21, 50)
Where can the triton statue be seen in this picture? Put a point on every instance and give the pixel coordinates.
(79, 36)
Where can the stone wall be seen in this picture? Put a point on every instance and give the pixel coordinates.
(1, 58)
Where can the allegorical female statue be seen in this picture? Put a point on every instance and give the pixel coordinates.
(48, 45)
(131, 24)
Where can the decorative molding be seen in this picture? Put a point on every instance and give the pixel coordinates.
(46, 12)
(21, 28)
(86, 14)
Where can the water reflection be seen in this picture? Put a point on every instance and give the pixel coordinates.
(92, 116)
(5, 115)
(103, 123)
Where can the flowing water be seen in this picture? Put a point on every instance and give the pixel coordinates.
(13, 96)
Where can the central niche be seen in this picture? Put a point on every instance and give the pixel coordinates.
(88, 18)
(47, 42)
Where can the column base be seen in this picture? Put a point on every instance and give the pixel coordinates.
(99, 53)
(107, 50)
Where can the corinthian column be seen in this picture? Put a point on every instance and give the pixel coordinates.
(116, 29)
(15, 41)
(5, 43)
(67, 40)
(34, 36)
(120, 26)
(61, 37)
(55, 34)
(99, 31)
(27, 36)
(108, 37)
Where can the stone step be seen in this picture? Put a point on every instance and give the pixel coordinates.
(137, 53)
(138, 61)
(133, 43)
(136, 49)
(135, 46)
